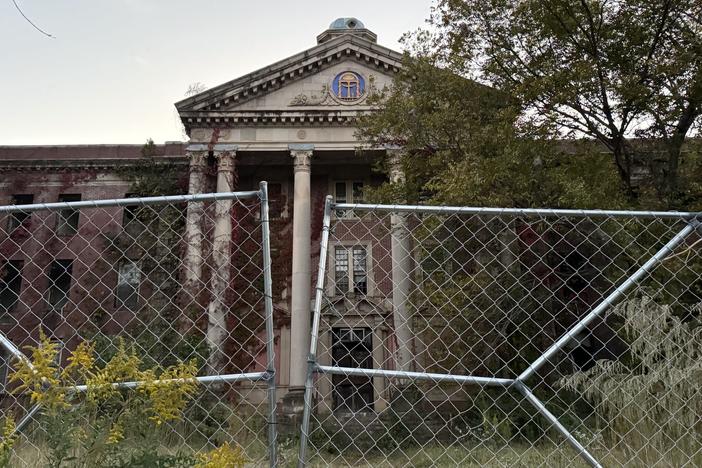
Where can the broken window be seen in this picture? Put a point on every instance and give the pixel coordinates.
(10, 285)
(68, 218)
(60, 275)
(18, 218)
(347, 192)
(128, 281)
(129, 212)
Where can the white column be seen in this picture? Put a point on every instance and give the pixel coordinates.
(301, 278)
(221, 268)
(193, 223)
(402, 265)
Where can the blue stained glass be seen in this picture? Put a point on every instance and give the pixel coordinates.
(348, 86)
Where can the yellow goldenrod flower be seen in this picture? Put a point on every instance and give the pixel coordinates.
(40, 378)
(80, 363)
(168, 399)
(222, 457)
(116, 434)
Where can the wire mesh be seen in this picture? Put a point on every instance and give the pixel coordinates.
(137, 332)
(494, 337)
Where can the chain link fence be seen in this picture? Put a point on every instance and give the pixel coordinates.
(505, 337)
(137, 332)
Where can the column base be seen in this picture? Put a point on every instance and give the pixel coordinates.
(290, 412)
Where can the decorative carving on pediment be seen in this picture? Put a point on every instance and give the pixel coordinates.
(326, 96)
(321, 99)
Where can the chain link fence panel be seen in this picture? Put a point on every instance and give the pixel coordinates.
(138, 332)
(505, 337)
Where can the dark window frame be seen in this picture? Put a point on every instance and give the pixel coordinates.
(10, 286)
(18, 218)
(60, 275)
(68, 220)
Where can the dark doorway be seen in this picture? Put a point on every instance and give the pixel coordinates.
(352, 347)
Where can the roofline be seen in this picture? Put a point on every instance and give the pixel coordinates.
(281, 64)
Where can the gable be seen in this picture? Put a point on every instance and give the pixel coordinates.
(315, 91)
(293, 86)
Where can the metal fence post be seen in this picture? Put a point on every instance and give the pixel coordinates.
(317, 311)
(270, 339)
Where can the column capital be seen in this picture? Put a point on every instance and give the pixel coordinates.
(302, 159)
(225, 160)
(197, 157)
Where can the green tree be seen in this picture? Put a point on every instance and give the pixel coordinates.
(625, 73)
(464, 143)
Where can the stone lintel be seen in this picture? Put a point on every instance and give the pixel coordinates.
(196, 147)
(301, 147)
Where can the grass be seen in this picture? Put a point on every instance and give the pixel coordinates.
(482, 455)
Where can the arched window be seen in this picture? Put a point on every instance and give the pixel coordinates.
(348, 86)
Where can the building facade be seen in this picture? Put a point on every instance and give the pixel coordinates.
(291, 124)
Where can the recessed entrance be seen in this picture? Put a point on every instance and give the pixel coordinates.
(352, 347)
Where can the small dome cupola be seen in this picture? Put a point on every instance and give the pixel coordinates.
(349, 25)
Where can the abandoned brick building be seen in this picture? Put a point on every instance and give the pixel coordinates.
(290, 124)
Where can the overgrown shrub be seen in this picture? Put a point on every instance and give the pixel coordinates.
(107, 425)
(652, 401)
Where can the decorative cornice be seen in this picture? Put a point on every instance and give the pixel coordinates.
(83, 164)
(272, 118)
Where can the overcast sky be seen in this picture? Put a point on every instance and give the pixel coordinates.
(117, 66)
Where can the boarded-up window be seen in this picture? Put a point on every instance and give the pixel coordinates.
(128, 281)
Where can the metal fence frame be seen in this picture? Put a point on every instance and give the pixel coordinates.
(269, 375)
(693, 223)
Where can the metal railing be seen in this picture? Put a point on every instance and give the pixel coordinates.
(435, 329)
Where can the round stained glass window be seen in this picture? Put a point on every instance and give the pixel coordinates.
(348, 86)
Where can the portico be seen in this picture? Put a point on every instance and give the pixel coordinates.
(292, 123)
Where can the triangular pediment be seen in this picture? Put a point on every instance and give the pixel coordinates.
(297, 84)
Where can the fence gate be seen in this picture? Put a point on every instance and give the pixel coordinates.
(138, 332)
(447, 336)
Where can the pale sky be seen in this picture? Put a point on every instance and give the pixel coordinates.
(117, 66)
